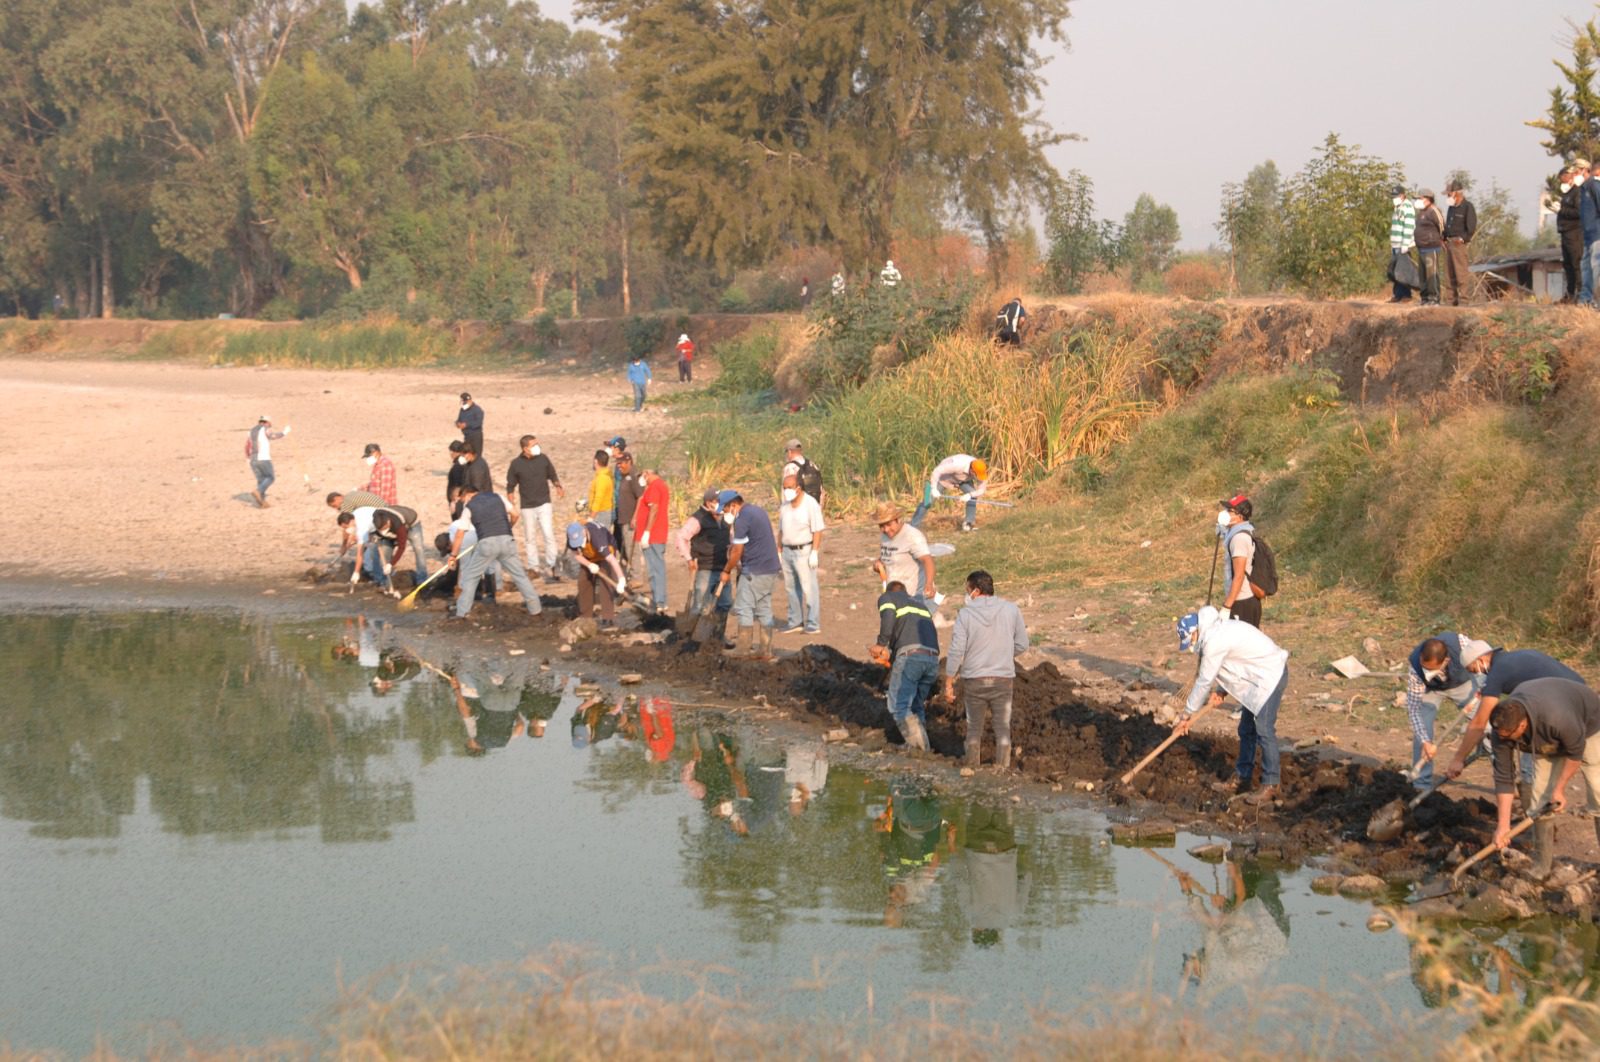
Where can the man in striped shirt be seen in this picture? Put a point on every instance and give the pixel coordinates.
(1402, 236)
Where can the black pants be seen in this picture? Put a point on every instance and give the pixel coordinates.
(1572, 263)
(474, 439)
(1247, 609)
(685, 371)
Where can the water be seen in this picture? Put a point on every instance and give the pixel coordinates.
(207, 822)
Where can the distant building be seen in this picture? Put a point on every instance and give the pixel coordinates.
(1532, 274)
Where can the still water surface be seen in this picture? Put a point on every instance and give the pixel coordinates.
(208, 821)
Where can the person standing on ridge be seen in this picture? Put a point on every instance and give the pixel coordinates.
(1569, 227)
(1402, 237)
(1460, 225)
(470, 421)
(1430, 242)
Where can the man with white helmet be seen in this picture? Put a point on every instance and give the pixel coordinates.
(959, 475)
(889, 275)
(1250, 666)
(685, 350)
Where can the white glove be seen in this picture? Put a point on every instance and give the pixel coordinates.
(644, 540)
(967, 497)
(622, 584)
(811, 558)
(388, 570)
(355, 576)
(594, 569)
(287, 429)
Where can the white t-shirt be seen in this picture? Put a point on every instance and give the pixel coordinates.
(464, 523)
(902, 555)
(363, 524)
(796, 525)
(263, 442)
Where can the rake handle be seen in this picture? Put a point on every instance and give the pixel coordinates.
(1159, 749)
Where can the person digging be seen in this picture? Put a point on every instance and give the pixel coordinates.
(1558, 721)
(1252, 667)
(908, 645)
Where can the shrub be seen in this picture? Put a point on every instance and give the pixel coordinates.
(642, 335)
(864, 333)
(747, 365)
(734, 300)
(1184, 346)
(1520, 345)
(1196, 277)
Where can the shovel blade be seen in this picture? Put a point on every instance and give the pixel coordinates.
(1433, 890)
(1388, 822)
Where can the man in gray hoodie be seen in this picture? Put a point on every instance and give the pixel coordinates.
(988, 635)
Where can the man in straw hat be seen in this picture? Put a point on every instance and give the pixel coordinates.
(903, 554)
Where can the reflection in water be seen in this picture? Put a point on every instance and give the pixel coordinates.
(997, 879)
(1244, 927)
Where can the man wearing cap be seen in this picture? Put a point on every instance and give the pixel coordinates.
(1589, 222)
(753, 553)
(592, 546)
(959, 475)
(908, 645)
(470, 421)
(456, 474)
(685, 350)
(1569, 227)
(703, 544)
(1503, 671)
(1402, 237)
(1437, 671)
(381, 478)
(1460, 225)
(258, 450)
(475, 474)
(1557, 722)
(903, 553)
(795, 463)
(800, 529)
(492, 518)
(1239, 544)
(1430, 241)
(1251, 667)
(651, 526)
(529, 479)
(616, 447)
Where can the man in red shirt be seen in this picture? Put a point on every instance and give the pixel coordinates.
(650, 530)
(383, 481)
(685, 358)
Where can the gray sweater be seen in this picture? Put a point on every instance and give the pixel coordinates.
(1562, 716)
(989, 633)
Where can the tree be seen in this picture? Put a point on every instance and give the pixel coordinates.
(1252, 227)
(1080, 243)
(1572, 121)
(1499, 223)
(1336, 221)
(1150, 237)
(765, 123)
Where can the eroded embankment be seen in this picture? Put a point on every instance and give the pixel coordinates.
(1066, 731)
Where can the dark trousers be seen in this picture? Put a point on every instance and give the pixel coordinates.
(1457, 264)
(1402, 292)
(1247, 609)
(1572, 263)
(685, 371)
(474, 439)
(1428, 266)
(588, 587)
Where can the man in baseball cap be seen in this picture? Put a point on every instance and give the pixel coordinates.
(1239, 544)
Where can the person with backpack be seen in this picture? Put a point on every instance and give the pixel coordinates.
(1252, 569)
(796, 464)
(1008, 322)
(258, 451)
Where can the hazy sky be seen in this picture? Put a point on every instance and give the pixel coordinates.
(1175, 97)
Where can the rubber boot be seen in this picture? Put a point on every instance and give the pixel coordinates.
(1544, 844)
(762, 649)
(911, 730)
(1525, 795)
(719, 629)
(1002, 754)
(972, 755)
(749, 636)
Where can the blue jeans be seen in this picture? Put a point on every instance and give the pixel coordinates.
(655, 559)
(265, 477)
(1401, 291)
(415, 542)
(372, 565)
(1261, 728)
(927, 503)
(910, 682)
(501, 550)
(638, 397)
(1591, 270)
(1461, 695)
(704, 580)
(800, 580)
(753, 602)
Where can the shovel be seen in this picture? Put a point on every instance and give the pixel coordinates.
(1159, 749)
(409, 602)
(625, 598)
(1389, 821)
(1453, 883)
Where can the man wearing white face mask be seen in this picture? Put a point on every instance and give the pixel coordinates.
(1569, 227)
(800, 530)
(530, 478)
(1430, 242)
(1436, 671)
(382, 480)
(1239, 543)
(1402, 229)
(470, 421)
(989, 635)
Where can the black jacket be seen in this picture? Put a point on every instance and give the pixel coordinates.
(1429, 232)
(904, 621)
(1570, 216)
(529, 478)
(1461, 222)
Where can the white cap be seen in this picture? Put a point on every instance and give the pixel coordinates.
(889, 263)
(684, 338)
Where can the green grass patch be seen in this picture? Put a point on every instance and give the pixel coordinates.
(365, 345)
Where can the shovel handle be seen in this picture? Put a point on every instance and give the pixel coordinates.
(1159, 749)
(1490, 848)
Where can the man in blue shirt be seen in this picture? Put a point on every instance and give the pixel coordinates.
(491, 518)
(753, 553)
(470, 421)
(639, 376)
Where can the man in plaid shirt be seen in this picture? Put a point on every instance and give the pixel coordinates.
(1437, 670)
(383, 482)
(1402, 236)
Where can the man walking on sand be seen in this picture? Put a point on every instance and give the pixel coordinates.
(1557, 721)
(639, 377)
(492, 518)
(685, 350)
(800, 529)
(381, 478)
(753, 553)
(1460, 225)
(258, 450)
(470, 421)
(650, 534)
(989, 635)
(959, 475)
(1255, 670)
(529, 479)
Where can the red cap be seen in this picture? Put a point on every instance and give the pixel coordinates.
(1235, 501)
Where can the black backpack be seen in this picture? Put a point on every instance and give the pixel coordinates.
(810, 478)
(1264, 569)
